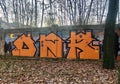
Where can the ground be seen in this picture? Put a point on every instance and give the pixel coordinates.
(49, 71)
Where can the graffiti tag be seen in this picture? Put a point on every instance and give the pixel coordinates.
(79, 45)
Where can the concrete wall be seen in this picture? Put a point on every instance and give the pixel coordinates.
(64, 36)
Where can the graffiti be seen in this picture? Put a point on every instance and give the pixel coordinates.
(11, 35)
(24, 46)
(51, 46)
(78, 45)
(81, 46)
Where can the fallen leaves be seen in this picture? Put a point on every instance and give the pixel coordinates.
(56, 72)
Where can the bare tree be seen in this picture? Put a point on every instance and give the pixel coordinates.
(15, 9)
(4, 9)
(35, 12)
(88, 13)
(103, 11)
(65, 12)
(42, 13)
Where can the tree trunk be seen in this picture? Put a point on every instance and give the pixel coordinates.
(88, 14)
(4, 9)
(108, 44)
(36, 13)
(42, 12)
(103, 12)
(31, 15)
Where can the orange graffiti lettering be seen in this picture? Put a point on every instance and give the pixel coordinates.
(51, 46)
(81, 46)
(24, 46)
